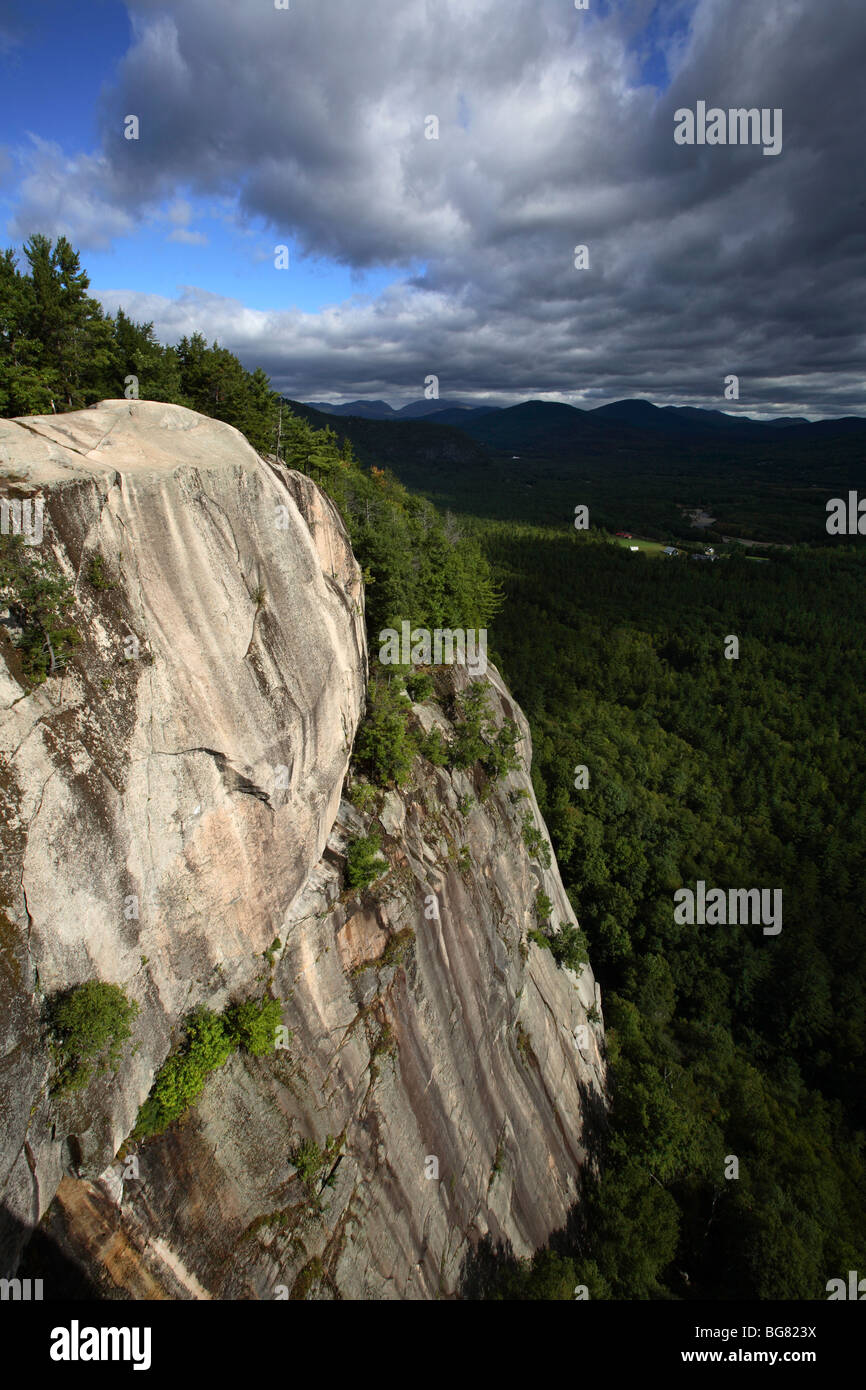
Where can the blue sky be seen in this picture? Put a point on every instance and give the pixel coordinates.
(55, 57)
(53, 65)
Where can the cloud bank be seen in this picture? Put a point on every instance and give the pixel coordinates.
(703, 261)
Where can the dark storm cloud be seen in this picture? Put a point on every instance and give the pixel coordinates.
(703, 261)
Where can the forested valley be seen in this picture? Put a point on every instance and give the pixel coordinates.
(743, 773)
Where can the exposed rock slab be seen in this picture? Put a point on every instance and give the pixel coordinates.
(161, 812)
(458, 1069)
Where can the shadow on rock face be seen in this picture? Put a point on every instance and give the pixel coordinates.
(492, 1271)
(486, 1269)
(28, 1253)
(596, 1125)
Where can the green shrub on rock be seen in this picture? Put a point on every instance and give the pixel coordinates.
(419, 686)
(253, 1026)
(210, 1040)
(363, 863)
(384, 747)
(180, 1080)
(90, 1024)
(40, 599)
(535, 842)
(570, 947)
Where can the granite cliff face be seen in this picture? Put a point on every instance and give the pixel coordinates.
(171, 807)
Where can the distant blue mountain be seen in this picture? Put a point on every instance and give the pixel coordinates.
(365, 410)
(381, 410)
(541, 425)
(460, 415)
(685, 419)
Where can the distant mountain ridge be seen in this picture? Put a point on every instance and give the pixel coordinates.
(381, 410)
(555, 431)
(533, 418)
(638, 465)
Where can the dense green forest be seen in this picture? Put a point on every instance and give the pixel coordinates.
(744, 773)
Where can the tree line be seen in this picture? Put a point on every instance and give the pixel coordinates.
(60, 351)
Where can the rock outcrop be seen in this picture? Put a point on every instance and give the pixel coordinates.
(172, 807)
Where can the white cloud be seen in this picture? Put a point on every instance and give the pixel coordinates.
(188, 238)
(70, 197)
(179, 212)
